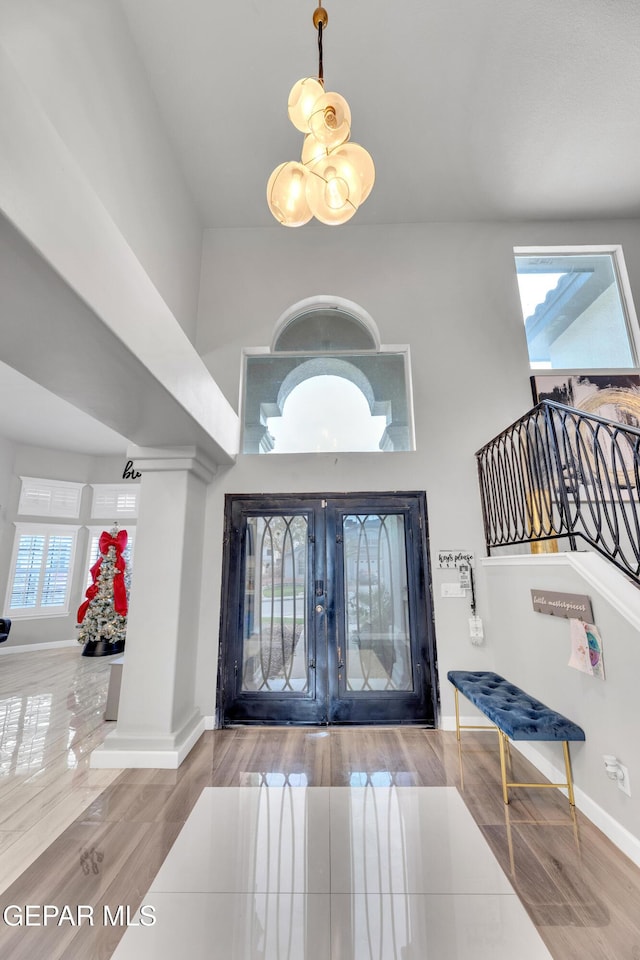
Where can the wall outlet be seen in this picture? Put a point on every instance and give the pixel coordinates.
(618, 772)
(623, 782)
(476, 630)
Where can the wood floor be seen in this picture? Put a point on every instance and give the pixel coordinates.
(72, 836)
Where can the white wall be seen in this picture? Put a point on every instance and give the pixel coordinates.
(533, 649)
(80, 63)
(7, 456)
(450, 292)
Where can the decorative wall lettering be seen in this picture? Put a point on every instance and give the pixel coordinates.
(573, 606)
(129, 473)
(450, 559)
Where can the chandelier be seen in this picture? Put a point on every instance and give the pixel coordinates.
(333, 176)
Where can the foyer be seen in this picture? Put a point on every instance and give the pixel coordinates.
(310, 842)
(142, 279)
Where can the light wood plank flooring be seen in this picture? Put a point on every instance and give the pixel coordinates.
(99, 837)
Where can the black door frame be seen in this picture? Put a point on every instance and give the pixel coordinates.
(323, 525)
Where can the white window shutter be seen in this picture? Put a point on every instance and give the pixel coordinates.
(27, 570)
(113, 501)
(49, 498)
(41, 570)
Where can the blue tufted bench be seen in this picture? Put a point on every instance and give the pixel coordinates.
(517, 716)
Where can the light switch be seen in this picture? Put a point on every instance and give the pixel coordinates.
(452, 590)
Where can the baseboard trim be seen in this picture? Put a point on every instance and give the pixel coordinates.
(33, 647)
(210, 723)
(127, 752)
(619, 835)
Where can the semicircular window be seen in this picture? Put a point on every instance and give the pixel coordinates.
(324, 330)
(326, 386)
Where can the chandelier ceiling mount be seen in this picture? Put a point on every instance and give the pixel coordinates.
(333, 177)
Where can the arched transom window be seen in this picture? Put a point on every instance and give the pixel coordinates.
(326, 385)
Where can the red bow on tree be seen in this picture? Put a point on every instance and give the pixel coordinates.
(119, 543)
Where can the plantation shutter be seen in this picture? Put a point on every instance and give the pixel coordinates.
(114, 501)
(42, 568)
(27, 570)
(57, 571)
(49, 498)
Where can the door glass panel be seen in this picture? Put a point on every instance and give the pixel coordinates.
(274, 616)
(377, 640)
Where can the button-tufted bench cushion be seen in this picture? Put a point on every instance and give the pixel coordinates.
(517, 714)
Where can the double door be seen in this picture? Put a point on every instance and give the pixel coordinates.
(327, 611)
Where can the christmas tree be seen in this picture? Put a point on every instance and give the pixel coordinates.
(102, 618)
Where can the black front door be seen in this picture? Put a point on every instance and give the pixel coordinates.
(327, 611)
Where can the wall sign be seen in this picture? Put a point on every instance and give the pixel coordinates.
(450, 559)
(129, 472)
(573, 606)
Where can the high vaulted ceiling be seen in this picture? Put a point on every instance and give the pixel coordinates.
(499, 109)
(502, 109)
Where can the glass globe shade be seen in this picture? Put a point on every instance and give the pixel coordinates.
(330, 120)
(333, 190)
(360, 160)
(302, 99)
(312, 150)
(286, 194)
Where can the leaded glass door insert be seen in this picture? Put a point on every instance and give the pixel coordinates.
(326, 614)
(275, 627)
(377, 638)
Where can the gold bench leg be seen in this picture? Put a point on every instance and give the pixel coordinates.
(503, 767)
(455, 691)
(567, 766)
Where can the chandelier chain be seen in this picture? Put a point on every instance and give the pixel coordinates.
(320, 63)
(320, 21)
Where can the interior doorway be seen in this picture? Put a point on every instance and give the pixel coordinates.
(327, 612)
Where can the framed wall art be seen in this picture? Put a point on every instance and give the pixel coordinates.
(613, 396)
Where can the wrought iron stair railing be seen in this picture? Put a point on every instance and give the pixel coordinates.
(559, 472)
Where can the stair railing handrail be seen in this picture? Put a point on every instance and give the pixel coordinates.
(561, 472)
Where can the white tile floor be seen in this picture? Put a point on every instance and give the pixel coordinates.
(332, 873)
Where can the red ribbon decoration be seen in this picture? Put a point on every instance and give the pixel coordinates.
(119, 543)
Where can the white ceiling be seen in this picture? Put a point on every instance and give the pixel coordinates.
(505, 109)
(470, 110)
(31, 414)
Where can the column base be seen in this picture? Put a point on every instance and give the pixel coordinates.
(131, 751)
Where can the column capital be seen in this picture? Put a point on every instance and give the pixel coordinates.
(157, 459)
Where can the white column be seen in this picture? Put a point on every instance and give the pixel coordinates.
(158, 722)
